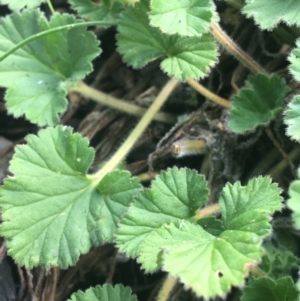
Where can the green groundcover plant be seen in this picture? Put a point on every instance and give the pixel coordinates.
(54, 210)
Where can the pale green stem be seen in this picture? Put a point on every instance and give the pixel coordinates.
(207, 211)
(137, 132)
(46, 32)
(208, 94)
(144, 177)
(119, 104)
(50, 7)
(166, 289)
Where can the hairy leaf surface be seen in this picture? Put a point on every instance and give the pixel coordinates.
(270, 290)
(106, 11)
(53, 211)
(209, 265)
(248, 208)
(39, 74)
(106, 292)
(187, 18)
(258, 103)
(268, 14)
(174, 195)
(277, 261)
(212, 256)
(140, 43)
(19, 4)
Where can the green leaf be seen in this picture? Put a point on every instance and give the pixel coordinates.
(52, 211)
(106, 11)
(39, 75)
(258, 104)
(294, 58)
(187, 17)
(184, 57)
(211, 264)
(292, 118)
(19, 4)
(248, 208)
(207, 264)
(105, 293)
(175, 195)
(277, 261)
(269, 290)
(294, 200)
(117, 191)
(267, 14)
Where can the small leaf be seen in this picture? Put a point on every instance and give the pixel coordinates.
(52, 211)
(294, 203)
(19, 4)
(294, 58)
(292, 118)
(277, 261)
(106, 292)
(39, 75)
(106, 11)
(268, 14)
(269, 290)
(207, 264)
(139, 43)
(247, 208)
(187, 18)
(258, 104)
(175, 195)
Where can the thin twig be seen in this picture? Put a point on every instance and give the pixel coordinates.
(281, 150)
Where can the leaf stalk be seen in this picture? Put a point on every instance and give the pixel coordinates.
(138, 130)
(50, 7)
(235, 50)
(207, 211)
(208, 94)
(119, 104)
(167, 288)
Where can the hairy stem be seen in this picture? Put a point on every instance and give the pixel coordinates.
(211, 96)
(166, 289)
(235, 50)
(207, 211)
(138, 130)
(119, 104)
